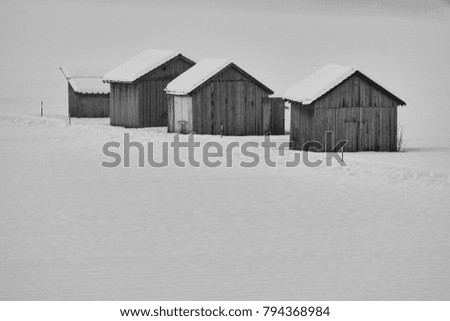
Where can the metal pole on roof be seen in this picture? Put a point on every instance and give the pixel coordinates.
(63, 73)
(67, 81)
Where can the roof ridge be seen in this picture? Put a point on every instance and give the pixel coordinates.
(204, 70)
(140, 65)
(324, 80)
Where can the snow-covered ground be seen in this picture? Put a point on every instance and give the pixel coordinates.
(71, 229)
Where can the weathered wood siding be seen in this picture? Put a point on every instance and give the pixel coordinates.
(124, 105)
(302, 125)
(143, 103)
(88, 105)
(73, 102)
(230, 99)
(272, 115)
(355, 110)
(180, 118)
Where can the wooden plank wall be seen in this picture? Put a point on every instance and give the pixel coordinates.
(302, 125)
(73, 102)
(124, 105)
(272, 120)
(354, 92)
(93, 105)
(151, 91)
(366, 128)
(88, 105)
(180, 117)
(232, 100)
(355, 110)
(170, 114)
(143, 103)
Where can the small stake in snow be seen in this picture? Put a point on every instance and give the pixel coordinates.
(69, 119)
(42, 109)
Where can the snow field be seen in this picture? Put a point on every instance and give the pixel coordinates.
(376, 229)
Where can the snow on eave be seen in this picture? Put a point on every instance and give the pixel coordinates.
(140, 65)
(89, 86)
(318, 83)
(197, 75)
(85, 71)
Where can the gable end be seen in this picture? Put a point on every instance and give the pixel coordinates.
(168, 70)
(232, 73)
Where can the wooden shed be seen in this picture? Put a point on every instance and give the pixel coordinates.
(88, 95)
(344, 101)
(137, 88)
(217, 97)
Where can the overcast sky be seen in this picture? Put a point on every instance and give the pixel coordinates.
(403, 44)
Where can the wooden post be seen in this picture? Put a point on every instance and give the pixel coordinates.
(329, 141)
(42, 109)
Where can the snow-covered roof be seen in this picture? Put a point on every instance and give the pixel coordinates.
(195, 76)
(87, 79)
(85, 71)
(198, 74)
(318, 83)
(89, 85)
(322, 81)
(138, 66)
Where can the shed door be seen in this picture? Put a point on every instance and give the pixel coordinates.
(183, 114)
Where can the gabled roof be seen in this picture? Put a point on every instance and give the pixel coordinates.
(140, 65)
(194, 77)
(85, 71)
(86, 79)
(322, 81)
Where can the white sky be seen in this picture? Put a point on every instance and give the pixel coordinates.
(403, 44)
